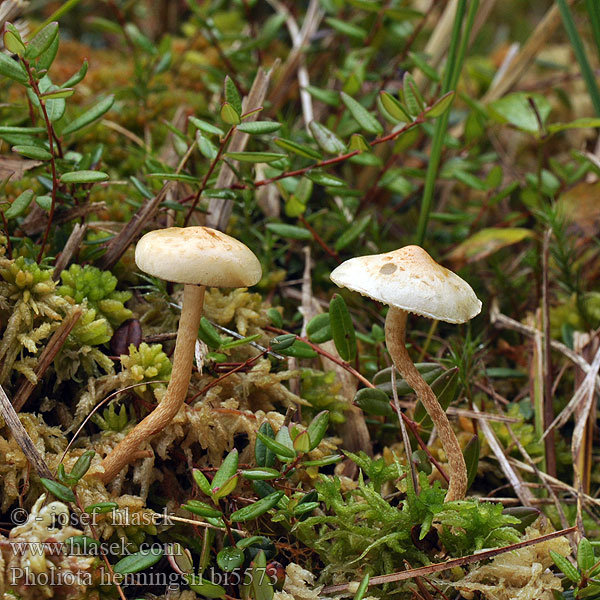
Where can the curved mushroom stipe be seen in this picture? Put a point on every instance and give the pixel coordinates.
(127, 450)
(395, 335)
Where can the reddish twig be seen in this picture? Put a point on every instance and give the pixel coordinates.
(319, 239)
(206, 177)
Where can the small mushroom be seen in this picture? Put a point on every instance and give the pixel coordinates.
(409, 280)
(197, 257)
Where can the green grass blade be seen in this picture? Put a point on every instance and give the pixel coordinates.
(456, 54)
(584, 65)
(593, 9)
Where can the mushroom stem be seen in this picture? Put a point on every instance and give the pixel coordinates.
(395, 333)
(126, 450)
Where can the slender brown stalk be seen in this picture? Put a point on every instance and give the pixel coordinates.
(51, 137)
(161, 416)
(395, 331)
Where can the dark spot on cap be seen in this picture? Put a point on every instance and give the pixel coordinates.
(388, 269)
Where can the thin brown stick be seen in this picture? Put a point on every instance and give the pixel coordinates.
(22, 437)
(451, 564)
(53, 347)
(69, 250)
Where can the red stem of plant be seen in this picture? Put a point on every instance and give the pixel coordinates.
(331, 161)
(50, 131)
(211, 168)
(319, 239)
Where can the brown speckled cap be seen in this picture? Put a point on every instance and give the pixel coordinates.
(199, 255)
(410, 279)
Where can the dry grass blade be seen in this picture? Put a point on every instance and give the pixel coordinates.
(582, 397)
(22, 437)
(69, 250)
(502, 321)
(219, 210)
(451, 564)
(513, 476)
(45, 360)
(542, 33)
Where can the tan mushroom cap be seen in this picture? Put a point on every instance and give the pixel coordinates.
(410, 279)
(197, 255)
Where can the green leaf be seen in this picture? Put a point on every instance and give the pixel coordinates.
(412, 96)
(202, 509)
(206, 127)
(323, 462)
(374, 402)
(565, 566)
(318, 329)
(83, 543)
(471, 454)
(227, 470)
(202, 482)
(101, 508)
(526, 516)
(299, 349)
(585, 555)
(342, 328)
(230, 558)
(134, 563)
(393, 108)
(264, 474)
(42, 41)
(427, 69)
(325, 179)
(232, 95)
(302, 443)
(58, 93)
(583, 123)
(206, 589)
(259, 127)
(229, 114)
(206, 147)
(83, 177)
(89, 116)
(516, 110)
(12, 40)
(175, 177)
(255, 157)
(298, 149)
(44, 202)
(358, 142)
(25, 130)
(260, 580)
(44, 62)
(275, 317)
(353, 232)
(349, 29)
(226, 489)
(362, 588)
(60, 491)
(19, 205)
(276, 446)
(263, 455)
(440, 106)
(12, 69)
(260, 507)
(33, 152)
(81, 467)
(318, 428)
(281, 342)
(361, 115)
(77, 77)
(326, 139)
(327, 96)
(292, 232)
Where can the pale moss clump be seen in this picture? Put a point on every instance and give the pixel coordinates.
(148, 363)
(98, 288)
(35, 310)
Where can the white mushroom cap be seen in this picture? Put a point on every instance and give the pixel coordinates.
(197, 255)
(410, 279)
